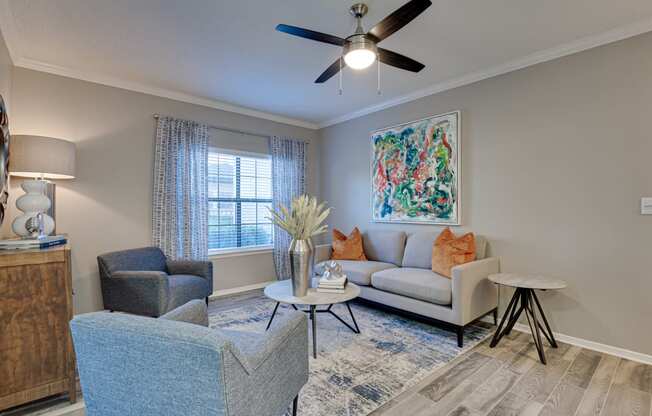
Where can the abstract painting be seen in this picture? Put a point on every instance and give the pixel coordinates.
(415, 171)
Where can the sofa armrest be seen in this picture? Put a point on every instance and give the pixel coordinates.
(145, 292)
(323, 252)
(193, 312)
(473, 294)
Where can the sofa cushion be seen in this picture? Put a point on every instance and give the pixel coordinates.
(358, 272)
(384, 246)
(418, 249)
(415, 283)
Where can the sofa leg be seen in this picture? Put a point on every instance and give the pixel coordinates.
(295, 405)
(460, 336)
(206, 300)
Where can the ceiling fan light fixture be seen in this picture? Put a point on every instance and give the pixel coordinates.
(359, 58)
(360, 53)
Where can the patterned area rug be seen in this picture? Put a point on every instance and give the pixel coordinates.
(355, 374)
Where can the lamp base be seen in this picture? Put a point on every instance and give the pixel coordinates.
(35, 204)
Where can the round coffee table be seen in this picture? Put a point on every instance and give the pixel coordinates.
(281, 292)
(525, 293)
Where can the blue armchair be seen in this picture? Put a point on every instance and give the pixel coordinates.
(142, 281)
(137, 366)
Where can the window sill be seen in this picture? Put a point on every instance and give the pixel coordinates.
(239, 251)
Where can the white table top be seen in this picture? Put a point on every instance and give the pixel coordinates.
(281, 291)
(527, 281)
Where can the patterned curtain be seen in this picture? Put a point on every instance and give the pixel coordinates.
(288, 182)
(180, 200)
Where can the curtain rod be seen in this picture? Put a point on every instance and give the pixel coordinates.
(157, 116)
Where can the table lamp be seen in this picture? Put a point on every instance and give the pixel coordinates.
(40, 158)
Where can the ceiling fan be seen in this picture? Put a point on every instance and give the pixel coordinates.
(360, 50)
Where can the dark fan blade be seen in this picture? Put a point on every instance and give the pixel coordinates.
(398, 60)
(311, 34)
(330, 71)
(401, 17)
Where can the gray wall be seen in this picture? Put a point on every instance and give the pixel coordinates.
(555, 160)
(108, 206)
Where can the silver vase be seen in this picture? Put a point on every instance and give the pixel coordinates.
(301, 266)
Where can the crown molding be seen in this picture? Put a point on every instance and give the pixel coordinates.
(545, 55)
(156, 91)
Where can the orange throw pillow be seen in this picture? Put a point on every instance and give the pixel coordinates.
(348, 248)
(450, 251)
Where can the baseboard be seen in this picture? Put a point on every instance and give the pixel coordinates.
(77, 409)
(240, 289)
(590, 345)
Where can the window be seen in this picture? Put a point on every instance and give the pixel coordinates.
(239, 194)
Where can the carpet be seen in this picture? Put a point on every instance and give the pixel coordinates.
(354, 374)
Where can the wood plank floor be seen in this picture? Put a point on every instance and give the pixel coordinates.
(507, 380)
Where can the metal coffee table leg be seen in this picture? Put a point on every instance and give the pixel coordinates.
(355, 329)
(312, 312)
(313, 317)
(273, 315)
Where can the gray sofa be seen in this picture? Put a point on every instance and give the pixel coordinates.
(398, 276)
(142, 281)
(138, 366)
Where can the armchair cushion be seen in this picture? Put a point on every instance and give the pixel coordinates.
(193, 312)
(193, 267)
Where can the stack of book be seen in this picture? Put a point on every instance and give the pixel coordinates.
(33, 243)
(337, 285)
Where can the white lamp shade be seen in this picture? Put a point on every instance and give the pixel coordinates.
(39, 156)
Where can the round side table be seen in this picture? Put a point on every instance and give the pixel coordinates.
(281, 292)
(525, 294)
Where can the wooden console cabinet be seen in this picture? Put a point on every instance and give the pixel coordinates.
(36, 353)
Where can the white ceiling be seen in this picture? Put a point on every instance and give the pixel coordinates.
(226, 53)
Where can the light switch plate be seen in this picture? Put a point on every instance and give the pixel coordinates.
(646, 206)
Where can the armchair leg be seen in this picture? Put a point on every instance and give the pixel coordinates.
(206, 300)
(295, 405)
(460, 336)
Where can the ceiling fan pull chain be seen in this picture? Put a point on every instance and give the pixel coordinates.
(378, 67)
(340, 91)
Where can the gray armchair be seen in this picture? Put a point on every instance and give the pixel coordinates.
(137, 366)
(142, 281)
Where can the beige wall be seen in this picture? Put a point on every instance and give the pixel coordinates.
(6, 71)
(108, 206)
(555, 160)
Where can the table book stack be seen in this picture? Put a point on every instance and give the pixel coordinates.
(33, 243)
(332, 285)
